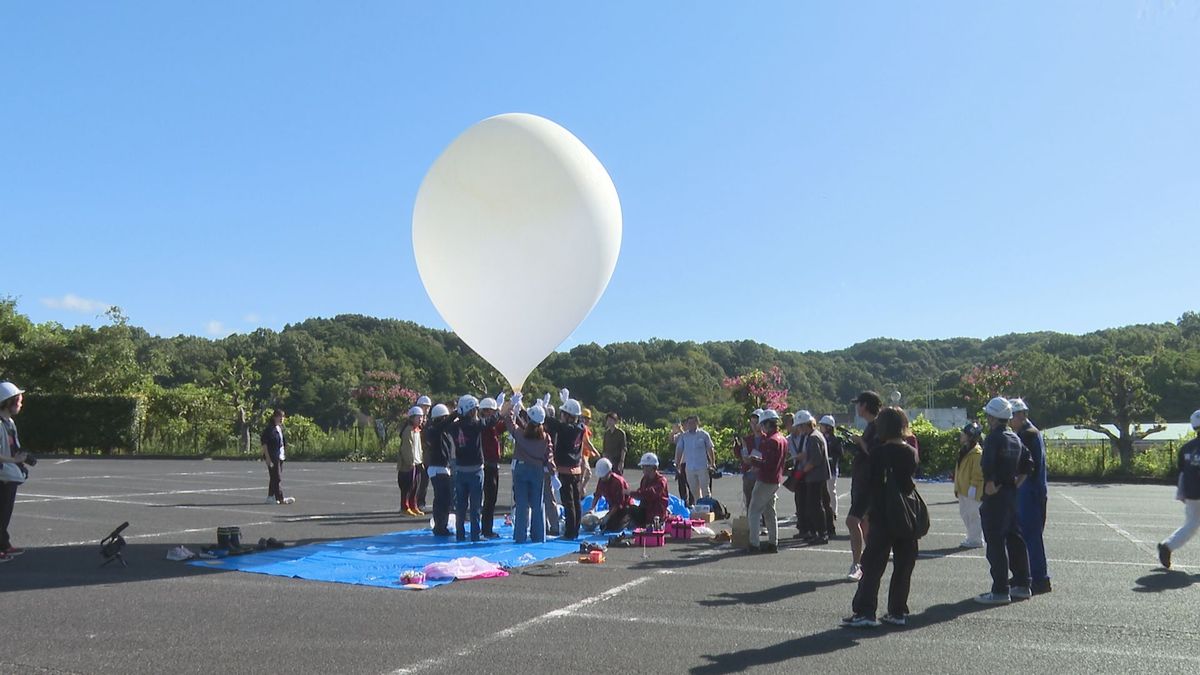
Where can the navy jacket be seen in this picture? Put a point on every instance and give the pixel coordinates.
(568, 443)
(436, 445)
(274, 440)
(1189, 468)
(1002, 452)
(467, 433)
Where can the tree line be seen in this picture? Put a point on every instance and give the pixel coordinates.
(334, 370)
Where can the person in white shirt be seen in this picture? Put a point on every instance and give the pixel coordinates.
(694, 456)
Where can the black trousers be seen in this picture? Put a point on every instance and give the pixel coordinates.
(443, 500)
(275, 482)
(874, 563)
(815, 497)
(1005, 546)
(800, 497)
(571, 498)
(684, 492)
(491, 486)
(827, 500)
(422, 486)
(617, 520)
(8, 499)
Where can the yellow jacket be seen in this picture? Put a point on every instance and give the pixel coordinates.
(969, 474)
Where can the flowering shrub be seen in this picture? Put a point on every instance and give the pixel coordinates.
(981, 383)
(757, 389)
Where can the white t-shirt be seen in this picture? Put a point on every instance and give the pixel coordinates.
(693, 447)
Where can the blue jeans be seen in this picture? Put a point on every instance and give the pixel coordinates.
(468, 487)
(1031, 513)
(1005, 545)
(527, 499)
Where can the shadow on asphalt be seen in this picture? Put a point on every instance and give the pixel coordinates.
(829, 641)
(1164, 580)
(769, 595)
(692, 555)
(943, 552)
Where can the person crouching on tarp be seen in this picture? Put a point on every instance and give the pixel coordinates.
(613, 488)
(652, 493)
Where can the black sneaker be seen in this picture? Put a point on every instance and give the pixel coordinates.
(442, 533)
(1164, 555)
(490, 535)
(768, 548)
(893, 619)
(1041, 587)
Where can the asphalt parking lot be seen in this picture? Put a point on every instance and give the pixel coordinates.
(688, 607)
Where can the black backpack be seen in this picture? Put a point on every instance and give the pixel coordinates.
(906, 514)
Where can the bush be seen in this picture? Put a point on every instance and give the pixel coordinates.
(939, 448)
(67, 422)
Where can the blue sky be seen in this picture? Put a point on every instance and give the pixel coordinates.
(922, 170)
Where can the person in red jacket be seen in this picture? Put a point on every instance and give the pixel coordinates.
(493, 446)
(768, 460)
(612, 487)
(652, 493)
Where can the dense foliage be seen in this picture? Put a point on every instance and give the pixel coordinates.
(334, 372)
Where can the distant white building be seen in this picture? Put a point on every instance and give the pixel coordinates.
(1067, 434)
(942, 418)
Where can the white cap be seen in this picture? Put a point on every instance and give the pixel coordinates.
(466, 404)
(572, 407)
(537, 414)
(1196, 420)
(828, 419)
(488, 404)
(768, 414)
(416, 410)
(649, 459)
(603, 467)
(424, 400)
(757, 413)
(803, 417)
(9, 390)
(999, 408)
(439, 410)
(1018, 405)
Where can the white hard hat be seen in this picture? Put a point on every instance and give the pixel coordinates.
(537, 414)
(999, 408)
(803, 417)
(424, 400)
(416, 410)
(1018, 405)
(439, 410)
(9, 390)
(828, 419)
(488, 404)
(757, 413)
(649, 459)
(1196, 420)
(466, 404)
(603, 467)
(768, 414)
(572, 407)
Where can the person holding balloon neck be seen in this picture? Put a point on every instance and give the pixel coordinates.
(493, 448)
(467, 430)
(438, 452)
(533, 458)
(566, 434)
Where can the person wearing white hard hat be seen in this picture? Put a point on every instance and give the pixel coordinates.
(425, 403)
(612, 487)
(408, 458)
(533, 459)
(493, 448)
(833, 445)
(437, 447)
(1004, 462)
(274, 447)
(467, 430)
(12, 469)
(768, 460)
(566, 433)
(795, 475)
(1032, 496)
(694, 455)
(652, 493)
(1188, 492)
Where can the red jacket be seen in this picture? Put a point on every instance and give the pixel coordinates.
(774, 450)
(492, 438)
(612, 487)
(654, 496)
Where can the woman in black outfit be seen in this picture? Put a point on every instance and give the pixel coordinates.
(893, 453)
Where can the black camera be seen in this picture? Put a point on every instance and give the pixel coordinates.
(30, 460)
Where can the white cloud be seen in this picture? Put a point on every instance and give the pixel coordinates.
(252, 318)
(215, 327)
(74, 303)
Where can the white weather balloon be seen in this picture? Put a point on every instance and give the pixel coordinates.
(516, 231)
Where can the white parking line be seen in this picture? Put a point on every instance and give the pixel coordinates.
(1113, 526)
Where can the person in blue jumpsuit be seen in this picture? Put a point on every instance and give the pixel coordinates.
(1032, 496)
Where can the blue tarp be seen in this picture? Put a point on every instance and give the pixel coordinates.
(379, 560)
(675, 505)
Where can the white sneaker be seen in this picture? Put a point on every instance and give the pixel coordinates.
(289, 500)
(271, 500)
(992, 599)
(855, 573)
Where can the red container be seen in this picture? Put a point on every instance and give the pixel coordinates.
(649, 538)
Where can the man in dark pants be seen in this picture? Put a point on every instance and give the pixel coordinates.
(467, 431)
(274, 443)
(1032, 497)
(566, 434)
(493, 434)
(438, 451)
(1005, 459)
(615, 443)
